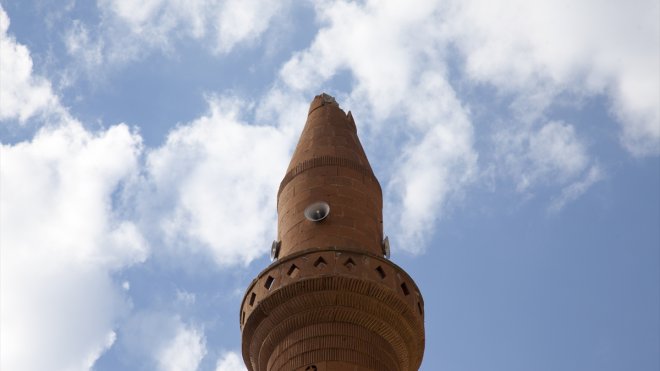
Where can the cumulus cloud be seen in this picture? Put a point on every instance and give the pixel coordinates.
(285, 109)
(212, 185)
(130, 29)
(154, 21)
(163, 341)
(230, 361)
(434, 166)
(62, 239)
(384, 45)
(22, 94)
(63, 235)
(242, 21)
(543, 49)
(184, 352)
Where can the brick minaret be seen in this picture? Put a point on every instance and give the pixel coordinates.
(331, 300)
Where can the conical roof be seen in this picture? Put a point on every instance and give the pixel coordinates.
(329, 132)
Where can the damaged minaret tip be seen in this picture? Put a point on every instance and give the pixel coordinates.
(331, 299)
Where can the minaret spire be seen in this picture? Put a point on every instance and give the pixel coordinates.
(331, 300)
(329, 164)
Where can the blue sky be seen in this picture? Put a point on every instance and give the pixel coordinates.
(142, 144)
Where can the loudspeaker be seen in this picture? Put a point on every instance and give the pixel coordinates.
(317, 211)
(386, 247)
(275, 250)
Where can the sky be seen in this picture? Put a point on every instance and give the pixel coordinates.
(142, 144)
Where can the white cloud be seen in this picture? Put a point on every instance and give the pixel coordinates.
(78, 41)
(138, 16)
(155, 21)
(129, 30)
(242, 21)
(575, 190)
(100, 349)
(384, 45)
(186, 298)
(61, 240)
(552, 155)
(62, 235)
(230, 361)
(556, 152)
(163, 341)
(545, 48)
(285, 109)
(22, 95)
(212, 185)
(184, 352)
(434, 167)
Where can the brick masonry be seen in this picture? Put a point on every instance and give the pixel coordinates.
(331, 301)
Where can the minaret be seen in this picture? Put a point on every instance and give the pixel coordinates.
(331, 300)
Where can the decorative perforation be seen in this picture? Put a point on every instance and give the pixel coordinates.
(349, 264)
(405, 290)
(381, 272)
(269, 282)
(293, 271)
